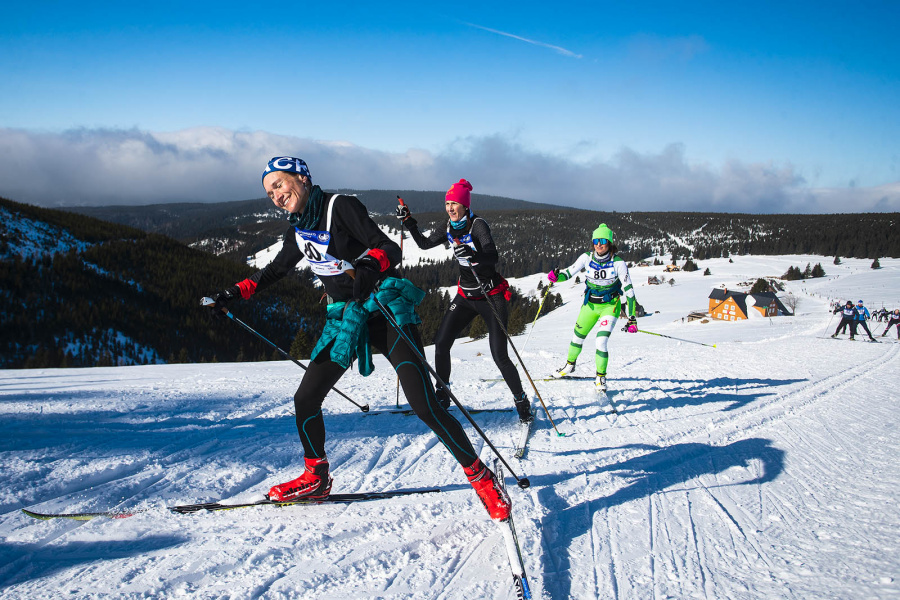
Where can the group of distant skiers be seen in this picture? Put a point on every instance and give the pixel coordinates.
(853, 317)
(371, 306)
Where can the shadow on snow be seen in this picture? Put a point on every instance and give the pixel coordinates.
(648, 474)
(24, 562)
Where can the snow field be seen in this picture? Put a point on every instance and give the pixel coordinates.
(762, 468)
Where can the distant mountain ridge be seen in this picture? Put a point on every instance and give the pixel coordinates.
(534, 237)
(190, 220)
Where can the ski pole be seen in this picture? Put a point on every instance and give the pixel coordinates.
(209, 302)
(533, 323)
(675, 338)
(827, 327)
(402, 203)
(523, 481)
(506, 333)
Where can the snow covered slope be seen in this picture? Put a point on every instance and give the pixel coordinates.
(763, 468)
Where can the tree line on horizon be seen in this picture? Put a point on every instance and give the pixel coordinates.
(132, 297)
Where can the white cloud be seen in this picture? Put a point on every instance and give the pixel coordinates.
(100, 166)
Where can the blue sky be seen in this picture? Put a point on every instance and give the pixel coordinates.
(757, 107)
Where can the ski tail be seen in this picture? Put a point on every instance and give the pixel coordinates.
(511, 543)
(523, 434)
(83, 516)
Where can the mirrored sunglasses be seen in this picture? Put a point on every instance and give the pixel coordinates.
(600, 241)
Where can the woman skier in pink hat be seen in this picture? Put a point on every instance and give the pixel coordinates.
(478, 288)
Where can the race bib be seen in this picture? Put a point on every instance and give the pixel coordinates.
(601, 274)
(314, 246)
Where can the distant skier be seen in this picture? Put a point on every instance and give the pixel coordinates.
(848, 318)
(862, 314)
(474, 248)
(330, 229)
(606, 280)
(893, 319)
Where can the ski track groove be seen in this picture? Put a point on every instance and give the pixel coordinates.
(783, 404)
(651, 541)
(614, 568)
(695, 543)
(456, 571)
(589, 516)
(165, 461)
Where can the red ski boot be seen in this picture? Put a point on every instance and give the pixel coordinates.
(314, 483)
(494, 497)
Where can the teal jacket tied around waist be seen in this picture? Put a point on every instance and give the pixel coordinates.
(346, 322)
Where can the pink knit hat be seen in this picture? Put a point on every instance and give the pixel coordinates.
(459, 193)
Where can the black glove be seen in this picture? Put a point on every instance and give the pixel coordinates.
(222, 299)
(368, 274)
(406, 218)
(463, 252)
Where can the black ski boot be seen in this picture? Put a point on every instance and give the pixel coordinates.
(523, 407)
(443, 397)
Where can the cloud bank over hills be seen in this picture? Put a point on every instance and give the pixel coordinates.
(206, 164)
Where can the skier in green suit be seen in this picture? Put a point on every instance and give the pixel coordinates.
(606, 281)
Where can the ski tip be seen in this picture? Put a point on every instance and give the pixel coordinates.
(524, 483)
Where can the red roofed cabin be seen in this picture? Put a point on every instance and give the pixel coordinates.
(733, 306)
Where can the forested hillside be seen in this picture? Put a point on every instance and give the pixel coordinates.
(82, 292)
(537, 241)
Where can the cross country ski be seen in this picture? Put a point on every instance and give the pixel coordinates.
(219, 506)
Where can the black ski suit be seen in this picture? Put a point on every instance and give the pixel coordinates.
(848, 317)
(470, 300)
(893, 319)
(352, 233)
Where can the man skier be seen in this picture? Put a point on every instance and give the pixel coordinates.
(848, 317)
(862, 314)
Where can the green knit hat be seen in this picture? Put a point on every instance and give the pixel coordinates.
(603, 232)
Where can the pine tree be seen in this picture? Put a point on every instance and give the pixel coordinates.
(760, 286)
(818, 271)
(478, 329)
(302, 346)
(837, 260)
(876, 264)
